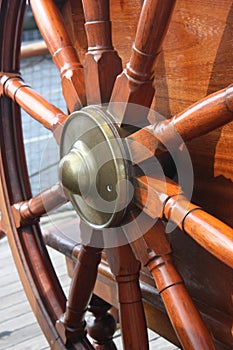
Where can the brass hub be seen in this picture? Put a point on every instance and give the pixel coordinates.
(94, 167)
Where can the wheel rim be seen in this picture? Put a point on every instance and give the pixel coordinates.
(13, 169)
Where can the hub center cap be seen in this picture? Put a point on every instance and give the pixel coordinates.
(94, 167)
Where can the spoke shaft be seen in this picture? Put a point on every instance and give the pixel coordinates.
(52, 28)
(165, 199)
(71, 325)
(126, 268)
(135, 84)
(32, 102)
(102, 64)
(31, 210)
(154, 251)
(33, 49)
(202, 117)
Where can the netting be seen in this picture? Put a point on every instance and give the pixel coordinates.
(41, 150)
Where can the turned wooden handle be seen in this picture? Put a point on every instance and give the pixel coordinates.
(81, 287)
(154, 251)
(135, 84)
(182, 312)
(98, 25)
(102, 63)
(31, 210)
(211, 233)
(52, 28)
(32, 102)
(202, 117)
(71, 325)
(152, 26)
(167, 200)
(125, 267)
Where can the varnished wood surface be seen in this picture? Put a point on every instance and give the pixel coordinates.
(102, 63)
(30, 211)
(196, 53)
(33, 49)
(164, 199)
(62, 51)
(125, 267)
(71, 325)
(219, 322)
(155, 252)
(199, 119)
(135, 84)
(32, 102)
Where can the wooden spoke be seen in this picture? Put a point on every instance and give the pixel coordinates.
(154, 251)
(202, 117)
(102, 63)
(34, 49)
(31, 210)
(134, 85)
(33, 103)
(52, 28)
(126, 268)
(165, 199)
(72, 324)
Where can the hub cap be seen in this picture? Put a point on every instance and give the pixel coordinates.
(94, 167)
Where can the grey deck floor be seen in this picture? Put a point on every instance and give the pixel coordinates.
(18, 327)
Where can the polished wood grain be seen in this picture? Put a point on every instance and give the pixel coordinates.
(30, 211)
(204, 116)
(195, 62)
(33, 49)
(160, 198)
(33, 103)
(124, 15)
(101, 326)
(102, 63)
(71, 326)
(134, 85)
(73, 17)
(125, 268)
(53, 30)
(154, 251)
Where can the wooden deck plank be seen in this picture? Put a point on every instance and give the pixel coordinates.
(4, 290)
(24, 335)
(12, 299)
(32, 344)
(8, 313)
